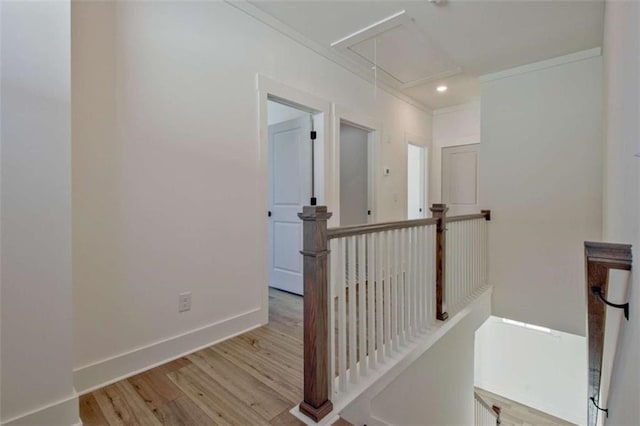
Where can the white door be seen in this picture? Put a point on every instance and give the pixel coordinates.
(416, 182)
(289, 190)
(460, 172)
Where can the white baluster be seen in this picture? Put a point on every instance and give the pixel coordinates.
(394, 287)
(379, 296)
(333, 282)
(401, 275)
(351, 314)
(387, 292)
(371, 290)
(342, 315)
(361, 295)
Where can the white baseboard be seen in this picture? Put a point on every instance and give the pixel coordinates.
(94, 376)
(61, 413)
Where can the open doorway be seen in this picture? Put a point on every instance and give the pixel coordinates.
(290, 187)
(356, 184)
(416, 181)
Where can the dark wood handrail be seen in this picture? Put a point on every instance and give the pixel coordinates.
(486, 214)
(349, 231)
(599, 259)
(353, 230)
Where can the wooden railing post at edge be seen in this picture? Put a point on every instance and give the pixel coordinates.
(599, 259)
(316, 402)
(439, 211)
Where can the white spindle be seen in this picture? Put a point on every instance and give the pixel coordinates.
(361, 295)
(371, 285)
(395, 290)
(333, 270)
(382, 292)
(379, 296)
(413, 282)
(351, 314)
(387, 292)
(342, 315)
(402, 290)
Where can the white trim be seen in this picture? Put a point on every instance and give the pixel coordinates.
(410, 139)
(456, 108)
(341, 114)
(266, 88)
(463, 141)
(63, 412)
(537, 66)
(427, 143)
(94, 376)
(326, 52)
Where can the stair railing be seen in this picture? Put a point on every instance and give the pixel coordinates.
(372, 290)
(599, 259)
(484, 414)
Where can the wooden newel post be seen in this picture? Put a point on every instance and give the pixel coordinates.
(316, 402)
(439, 211)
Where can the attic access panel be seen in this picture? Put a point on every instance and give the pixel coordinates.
(404, 55)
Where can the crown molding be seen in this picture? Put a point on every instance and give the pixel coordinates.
(473, 104)
(338, 59)
(537, 66)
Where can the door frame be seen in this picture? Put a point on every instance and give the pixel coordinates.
(411, 139)
(269, 89)
(425, 181)
(344, 115)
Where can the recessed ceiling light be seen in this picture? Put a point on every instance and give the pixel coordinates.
(442, 88)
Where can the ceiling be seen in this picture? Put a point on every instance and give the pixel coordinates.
(452, 42)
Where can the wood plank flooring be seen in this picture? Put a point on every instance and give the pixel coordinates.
(251, 379)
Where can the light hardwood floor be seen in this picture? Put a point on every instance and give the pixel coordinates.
(251, 379)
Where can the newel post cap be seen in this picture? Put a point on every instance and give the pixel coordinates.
(314, 213)
(439, 208)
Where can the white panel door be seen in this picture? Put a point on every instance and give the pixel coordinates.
(416, 182)
(460, 168)
(289, 190)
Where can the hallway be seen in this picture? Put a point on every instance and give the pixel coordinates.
(251, 379)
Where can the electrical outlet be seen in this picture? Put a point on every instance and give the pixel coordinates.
(184, 302)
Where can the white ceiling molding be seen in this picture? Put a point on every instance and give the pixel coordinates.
(536, 66)
(469, 105)
(330, 54)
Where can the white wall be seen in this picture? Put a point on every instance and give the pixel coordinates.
(541, 176)
(546, 371)
(36, 215)
(437, 389)
(165, 182)
(621, 223)
(459, 125)
(354, 172)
